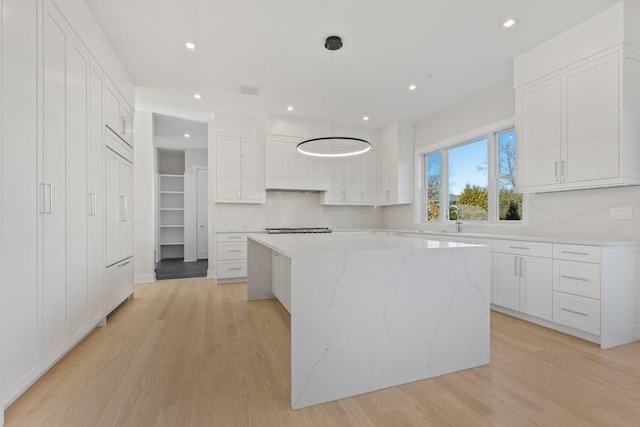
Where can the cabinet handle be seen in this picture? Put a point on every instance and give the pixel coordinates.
(123, 125)
(574, 312)
(234, 237)
(515, 266)
(236, 268)
(582, 279)
(524, 248)
(49, 198)
(236, 250)
(574, 253)
(43, 198)
(122, 264)
(95, 204)
(556, 168)
(124, 207)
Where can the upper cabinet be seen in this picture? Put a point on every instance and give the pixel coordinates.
(239, 169)
(352, 180)
(287, 169)
(117, 115)
(578, 125)
(395, 165)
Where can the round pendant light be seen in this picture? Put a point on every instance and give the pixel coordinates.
(334, 146)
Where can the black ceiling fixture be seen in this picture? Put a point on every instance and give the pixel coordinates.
(334, 146)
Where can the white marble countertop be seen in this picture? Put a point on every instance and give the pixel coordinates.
(297, 244)
(491, 236)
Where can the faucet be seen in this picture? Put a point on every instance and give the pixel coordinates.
(458, 217)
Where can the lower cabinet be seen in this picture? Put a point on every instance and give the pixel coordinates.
(231, 257)
(523, 282)
(281, 279)
(118, 283)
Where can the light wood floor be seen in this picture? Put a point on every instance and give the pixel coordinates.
(188, 353)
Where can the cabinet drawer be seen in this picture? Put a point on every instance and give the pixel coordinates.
(230, 238)
(577, 312)
(576, 252)
(519, 247)
(229, 251)
(579, 278)
(231, 269)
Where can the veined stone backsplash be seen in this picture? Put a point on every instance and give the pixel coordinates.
(293, 209)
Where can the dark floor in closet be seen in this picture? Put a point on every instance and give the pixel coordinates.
(176, 268)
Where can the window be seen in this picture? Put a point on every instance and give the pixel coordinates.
(509, 202)
(477, 177)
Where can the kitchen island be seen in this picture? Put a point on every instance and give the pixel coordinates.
(370, 311)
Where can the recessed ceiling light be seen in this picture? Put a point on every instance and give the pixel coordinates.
(412, 87)
(197, 96)
(509, 23)
(186, 135)
(190, 45)
(365, 118)
(290, 108)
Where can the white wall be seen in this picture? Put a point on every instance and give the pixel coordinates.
(143, 201)
(577, 214)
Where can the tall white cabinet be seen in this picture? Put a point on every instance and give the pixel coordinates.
(52, 200)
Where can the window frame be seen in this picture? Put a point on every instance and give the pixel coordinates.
(490, 133)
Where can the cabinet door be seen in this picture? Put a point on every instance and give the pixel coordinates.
(112, 207)
(77, 82)
(112, 110)
(352, 179)
(20, 222)
(593, 108)
(389, 174)
(368, 183)
(536, 286)
(253, 188)
(539, 126)
(335, 172)
(95, 219)
(54, 165)
(125, 239)
(506, 283)
(228, 168)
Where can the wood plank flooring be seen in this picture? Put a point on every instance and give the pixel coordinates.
(189, 353)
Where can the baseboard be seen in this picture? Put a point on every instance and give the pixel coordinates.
(2, 417)
(145, 278)
(211, 274)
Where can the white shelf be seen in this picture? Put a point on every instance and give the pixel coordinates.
(172, 226)
(171, 243)
(171, 209)
(172, 192)
(170, 175)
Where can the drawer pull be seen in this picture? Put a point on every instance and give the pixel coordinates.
(520, 247)
(236, 268)
(124, 263)
(574, 312)
(234, 237)
(574, 253)
(582, 279)
(235, 250)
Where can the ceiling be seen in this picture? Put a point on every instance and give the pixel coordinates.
(449, 49)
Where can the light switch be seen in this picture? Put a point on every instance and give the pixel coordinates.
(621, 213)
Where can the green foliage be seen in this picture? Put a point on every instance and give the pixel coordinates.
(474, 195)
(510, 205)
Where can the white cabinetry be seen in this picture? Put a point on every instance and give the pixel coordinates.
(171, 216)
(51, 190)
(576, 287)
(231, 257)
(522, 277)
(281, 279)
(117, 115)
(352, 180)
(575, 127)
(287, 169)
(240, 170)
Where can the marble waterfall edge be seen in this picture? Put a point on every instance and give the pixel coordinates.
(366, 320)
